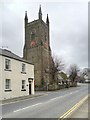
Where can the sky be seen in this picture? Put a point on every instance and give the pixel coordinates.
(68, 27)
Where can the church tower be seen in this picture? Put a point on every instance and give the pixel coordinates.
(37, 48)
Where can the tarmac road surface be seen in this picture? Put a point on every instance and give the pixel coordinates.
(51, 105)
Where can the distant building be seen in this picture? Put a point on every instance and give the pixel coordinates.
(62, 76)
(16, 76)
(60, 79)
(37, 48)
(86, 72)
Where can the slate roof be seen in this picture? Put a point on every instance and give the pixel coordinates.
(7, 53)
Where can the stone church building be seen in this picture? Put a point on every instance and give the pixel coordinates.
(37, 48)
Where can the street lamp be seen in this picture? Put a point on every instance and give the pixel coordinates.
(47, 83)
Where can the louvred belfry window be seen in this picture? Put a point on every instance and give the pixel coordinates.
(32, 36)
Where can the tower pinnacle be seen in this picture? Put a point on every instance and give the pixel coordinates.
(26, 17)
(47, 20)
(40, 13)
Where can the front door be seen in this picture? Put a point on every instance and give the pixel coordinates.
(29, 88)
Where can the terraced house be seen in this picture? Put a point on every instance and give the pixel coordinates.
(16, 76)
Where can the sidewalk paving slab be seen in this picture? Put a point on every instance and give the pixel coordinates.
(37, 94)
(82, 111)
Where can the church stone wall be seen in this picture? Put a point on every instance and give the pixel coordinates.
(37, 50)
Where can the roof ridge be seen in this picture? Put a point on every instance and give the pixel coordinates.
(10, 54)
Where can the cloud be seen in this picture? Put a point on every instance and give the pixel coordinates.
(68, 27)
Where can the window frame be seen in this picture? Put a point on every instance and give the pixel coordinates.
(23, 85)
(23, 68)
(7, 64)
(8, 85)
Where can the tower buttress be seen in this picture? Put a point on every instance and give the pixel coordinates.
(47, 22)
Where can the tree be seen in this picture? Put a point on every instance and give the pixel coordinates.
(73, 74)
(58, 65)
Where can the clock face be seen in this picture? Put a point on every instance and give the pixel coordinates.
(35, 44)
(32, 44)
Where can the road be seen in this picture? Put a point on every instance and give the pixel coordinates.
(51, 105)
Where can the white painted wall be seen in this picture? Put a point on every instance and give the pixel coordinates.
(0, 77)
(16, 78)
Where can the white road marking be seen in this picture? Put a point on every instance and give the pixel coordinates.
(55, 98)
(64, 95)
(33, 98)
(27, 107)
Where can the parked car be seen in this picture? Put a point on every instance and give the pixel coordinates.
(87, 81)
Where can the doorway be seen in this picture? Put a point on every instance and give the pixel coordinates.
(30, 80)
(30, 88)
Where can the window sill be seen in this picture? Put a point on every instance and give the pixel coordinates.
(23, 72)
(23, 90)
(7, 70)
(7, 90)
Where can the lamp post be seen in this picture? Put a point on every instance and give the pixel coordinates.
(47, 83)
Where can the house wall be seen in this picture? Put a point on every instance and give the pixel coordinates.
(0, 77)
(16, 78)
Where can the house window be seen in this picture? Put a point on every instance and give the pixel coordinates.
(23, 84)
(7, 64)
(7, 84)
(23, 67)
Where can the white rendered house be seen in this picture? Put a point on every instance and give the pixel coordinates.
(16, 76)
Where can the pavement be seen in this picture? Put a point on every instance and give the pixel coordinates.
(21, 98)
(82, 111)
(37, 94)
